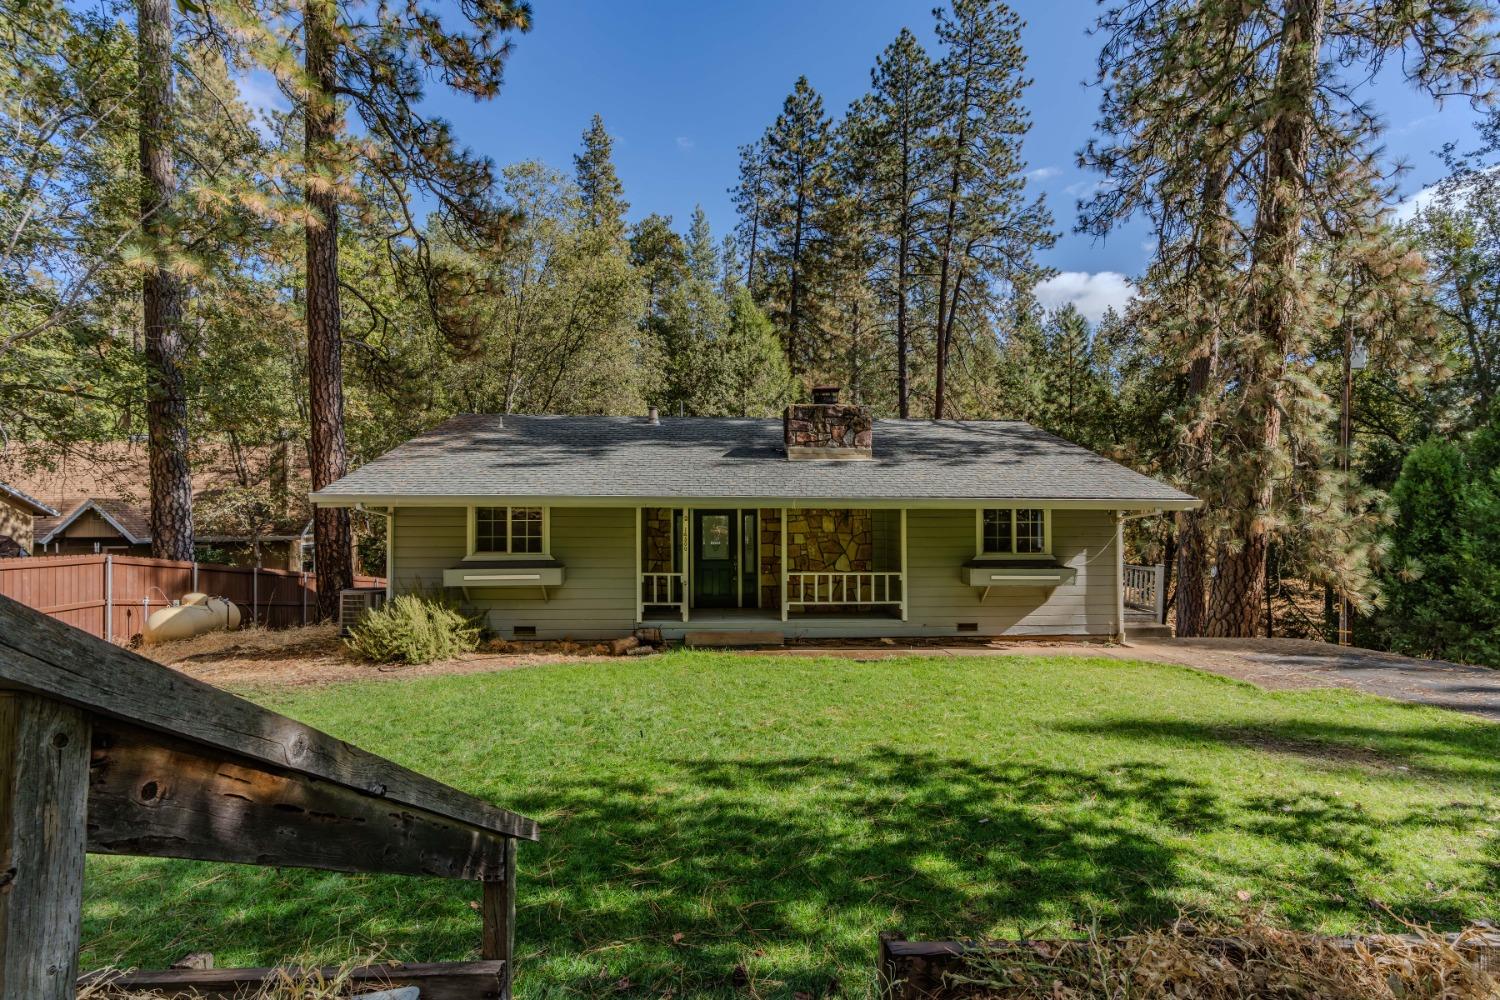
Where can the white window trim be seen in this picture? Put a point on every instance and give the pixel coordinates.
(979, 550)
(546, 552)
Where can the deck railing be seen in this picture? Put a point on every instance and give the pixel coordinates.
(806, 590)
(1145, 588)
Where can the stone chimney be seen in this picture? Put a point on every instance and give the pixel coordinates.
(826, 429)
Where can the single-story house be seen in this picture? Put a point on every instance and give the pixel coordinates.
(18, 514)
(823, 524)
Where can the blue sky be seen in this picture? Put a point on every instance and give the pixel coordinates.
(682, 84)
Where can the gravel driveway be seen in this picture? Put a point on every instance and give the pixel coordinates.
(1302, 663)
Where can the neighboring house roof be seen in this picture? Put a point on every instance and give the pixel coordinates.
(16, 497)
(120, 471)
(480, 456)
(133, 525)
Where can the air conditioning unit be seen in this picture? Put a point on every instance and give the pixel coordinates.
(357, 602)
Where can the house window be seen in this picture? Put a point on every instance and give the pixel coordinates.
(1005, 531)
(507, 530)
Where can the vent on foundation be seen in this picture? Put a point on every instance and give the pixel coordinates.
(523, 631)
(968, 626)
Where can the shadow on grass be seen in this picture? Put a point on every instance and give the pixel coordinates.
(1464, 751)
(710, 875)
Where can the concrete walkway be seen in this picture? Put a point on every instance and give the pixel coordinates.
(1276, 664)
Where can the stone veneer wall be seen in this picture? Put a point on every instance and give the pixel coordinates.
(770, 557)
(656, 525)
(832, 540)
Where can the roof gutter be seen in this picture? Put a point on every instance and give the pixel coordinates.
(1145, 506)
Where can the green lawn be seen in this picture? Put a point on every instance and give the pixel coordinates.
(704, 811)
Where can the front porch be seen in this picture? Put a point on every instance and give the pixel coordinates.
(746, 566)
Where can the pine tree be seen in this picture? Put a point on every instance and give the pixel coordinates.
(753, 377)
(797, 150)
(603, 194)
(987, 231)
(162, 290)
(702, 255)
(374, 67)
(752, 199)
(902, 113)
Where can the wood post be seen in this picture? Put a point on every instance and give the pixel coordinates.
(44, 781)
(499, 910)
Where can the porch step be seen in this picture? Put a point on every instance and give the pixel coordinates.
(733, 638)
(1147, 630)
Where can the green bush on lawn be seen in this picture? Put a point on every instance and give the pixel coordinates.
(413, 629)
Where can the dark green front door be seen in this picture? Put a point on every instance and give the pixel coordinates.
(715, 563)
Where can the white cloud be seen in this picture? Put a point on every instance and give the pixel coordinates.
(1425, 198)
(684, 143)
(1092, 294)
(1085, 188)
(1043, 173)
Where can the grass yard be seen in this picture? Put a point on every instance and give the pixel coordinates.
(702, 812)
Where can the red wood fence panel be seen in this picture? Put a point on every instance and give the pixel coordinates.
(112, 596)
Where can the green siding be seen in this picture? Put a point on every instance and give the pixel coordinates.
(596, 600)
(939, 542)
(596, 545)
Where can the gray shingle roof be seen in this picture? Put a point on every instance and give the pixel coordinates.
(488, 455)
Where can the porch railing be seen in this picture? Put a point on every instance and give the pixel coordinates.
(805, 590)
(1145, 589)
(664, 590)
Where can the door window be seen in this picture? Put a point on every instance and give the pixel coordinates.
(714, 543)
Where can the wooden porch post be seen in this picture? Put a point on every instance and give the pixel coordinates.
(44, 782)
(687, 556)
(784, 605)
(903, 564)
(1120, 576)
(499, 907)
(640, 542)
(390, 558)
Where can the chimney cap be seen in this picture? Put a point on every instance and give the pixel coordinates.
(825, 395)
(653, 415)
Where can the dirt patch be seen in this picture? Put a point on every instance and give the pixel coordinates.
(314, 655)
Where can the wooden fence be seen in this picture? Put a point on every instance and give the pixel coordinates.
(110, 597)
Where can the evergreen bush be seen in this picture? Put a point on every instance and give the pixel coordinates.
(1441, 571)
(413, 629)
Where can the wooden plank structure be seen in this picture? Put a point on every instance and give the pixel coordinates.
(105, 751)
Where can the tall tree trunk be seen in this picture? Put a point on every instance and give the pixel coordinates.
(1237, 589)
(950, 224)
(903, 252)
(939, 398)
(327, 455)
(161, 294)
(794, 303)
(1192, 549)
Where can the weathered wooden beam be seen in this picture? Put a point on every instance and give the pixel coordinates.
(156, 795)
(46, 657)
(499, 910)
(43, 795)
(444, 981)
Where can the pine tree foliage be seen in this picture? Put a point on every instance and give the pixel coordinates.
(599, 186)
(799, 188)
(1234, 129)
